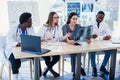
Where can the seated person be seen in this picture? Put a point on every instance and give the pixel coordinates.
(51, 32)
(101, 29)
(71, 27)
(13, 39)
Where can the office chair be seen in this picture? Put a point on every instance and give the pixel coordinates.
(4, 59)
(63, 59)
(97, 58)
(118, 51)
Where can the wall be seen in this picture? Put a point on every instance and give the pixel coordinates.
(43, 6)
(3, 17)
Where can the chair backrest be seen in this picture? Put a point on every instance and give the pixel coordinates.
(2, 41)
(2, 48)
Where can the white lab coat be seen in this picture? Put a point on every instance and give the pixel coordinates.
(55, 33)
(103, 29)
(13, 37)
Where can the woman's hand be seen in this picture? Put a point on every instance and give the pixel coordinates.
(66, 36)
(48, 38)
(70, 41)
(88, 41)
(43, 39)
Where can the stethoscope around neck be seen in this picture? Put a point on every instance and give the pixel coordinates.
(48, 29)
(19, 30)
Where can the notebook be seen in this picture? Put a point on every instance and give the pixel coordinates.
(32, 44)
(115, 40)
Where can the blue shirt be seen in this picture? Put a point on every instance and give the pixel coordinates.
(66, 29)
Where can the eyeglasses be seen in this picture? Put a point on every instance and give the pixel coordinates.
(55, 17)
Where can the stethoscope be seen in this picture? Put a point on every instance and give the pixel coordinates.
(19, 30)
(48, 29)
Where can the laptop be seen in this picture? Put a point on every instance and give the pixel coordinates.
(115, 40)
(32, 44)
(84, 33)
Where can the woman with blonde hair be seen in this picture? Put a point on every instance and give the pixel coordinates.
(51, 32)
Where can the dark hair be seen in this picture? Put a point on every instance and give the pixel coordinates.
(70, 16)
(24, 17)
(50, 19)
(101, 12)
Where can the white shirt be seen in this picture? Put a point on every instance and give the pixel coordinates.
(13, 37)
(55, 33)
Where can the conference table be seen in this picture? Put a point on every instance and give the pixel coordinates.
(62, 48)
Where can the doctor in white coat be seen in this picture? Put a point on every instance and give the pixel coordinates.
(13, 39)
(51, 32)
(101, 30)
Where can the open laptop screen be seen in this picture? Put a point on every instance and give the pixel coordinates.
(32, 44)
